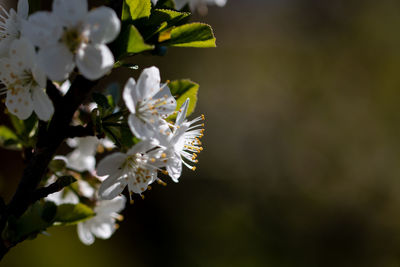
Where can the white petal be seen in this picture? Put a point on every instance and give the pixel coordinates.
(103, 230)
(5, 46)
(109, 206)
(142, 147)
(23, 8)
(94, 61)
(20, 104)
(111, 164)
(42, 29)
(84, 234)
(39, 76)
(81, 162)
(70, 12)
(130, 96)
(170, 102)
(103, 25)
(86, 189)
(110, 189)
(180, 118)
(22, 53)
(56, 61)
(139, 128)
(42, 104)
(174, 167)
(148, 83)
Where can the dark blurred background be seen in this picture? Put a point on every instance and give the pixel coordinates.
(301, 165)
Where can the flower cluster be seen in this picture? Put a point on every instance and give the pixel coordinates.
(149, 134)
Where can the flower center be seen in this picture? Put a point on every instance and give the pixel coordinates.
(73, 38)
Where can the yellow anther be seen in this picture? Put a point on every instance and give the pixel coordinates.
(142, 196)
(161, 182)
(153, 160)
(163, 155)
(131, 202)
(193, 168)
(149, 187)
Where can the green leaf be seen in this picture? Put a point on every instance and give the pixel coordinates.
(165, 4)
(163, 19)
(189, 35)
(36, 219)
(131, 42)
(135, 9)
(101, 100)
(68, 214)
(181, 90)
(9, 139)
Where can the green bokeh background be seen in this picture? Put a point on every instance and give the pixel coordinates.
(301, 165)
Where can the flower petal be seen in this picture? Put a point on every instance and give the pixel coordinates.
(19, 103)
(111, 164)
(170, 102)
(174, 167)
(42, 104)
(103, 25)
(70, 12)
(111, 188)
(130, 95)
(180, 118)
(109, 206)
(42, 29)
(94, 61)
(103, 230)
(148, 83)
(139, 128)
(84, 234)
(22, 53)
(56, 61)
(23, 9)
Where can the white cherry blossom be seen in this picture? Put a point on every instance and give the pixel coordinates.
(136, 169)
(72, 36)
(103, 224)
(82, 158)
(10, 24)
(24, 82)
(182, 144)
(148, 102)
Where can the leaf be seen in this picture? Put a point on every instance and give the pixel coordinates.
(9, 139)
(68, 214)
(163, 19)
(135, 9)
(181, 90)
(189, 35)
(101, 100)
(36, 219)
(131, 42)
(165, 4)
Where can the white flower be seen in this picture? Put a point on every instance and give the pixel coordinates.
(136, 169)
(10, 25)
(179, 4)
(103, 224)
(148, 103)
(182, 143)
(82, 158)
(25, 82)
(71, 36)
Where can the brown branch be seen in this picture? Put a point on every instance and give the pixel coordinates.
(50, 139)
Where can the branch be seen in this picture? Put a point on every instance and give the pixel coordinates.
(80, 131)
(49, 140)
(54, 187)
